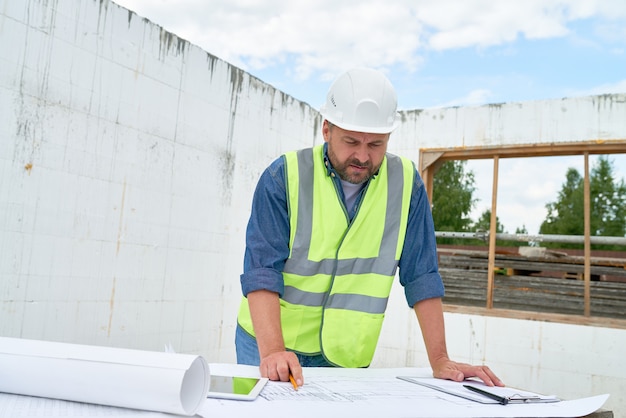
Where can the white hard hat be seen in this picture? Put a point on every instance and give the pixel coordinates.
(362, 100)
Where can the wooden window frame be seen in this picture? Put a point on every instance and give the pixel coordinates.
(430, 159)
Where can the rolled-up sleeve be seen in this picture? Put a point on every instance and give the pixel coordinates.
(267, 234)
(419, 270)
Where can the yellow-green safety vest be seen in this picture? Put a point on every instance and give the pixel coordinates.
(339, 273)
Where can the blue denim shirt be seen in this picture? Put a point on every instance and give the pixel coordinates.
(267, 238)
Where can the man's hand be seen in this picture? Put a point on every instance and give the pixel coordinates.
(451, 370)
(278, 366)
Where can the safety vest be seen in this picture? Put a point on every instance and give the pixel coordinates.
(339, 273)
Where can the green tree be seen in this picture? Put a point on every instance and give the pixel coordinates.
(484, 222)
(521, 230)
(607, 201)
(565, 215)
(453, 200)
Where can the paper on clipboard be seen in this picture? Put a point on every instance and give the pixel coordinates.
(512, 395)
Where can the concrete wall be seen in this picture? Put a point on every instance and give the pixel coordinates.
(128, 159)
(591, 118)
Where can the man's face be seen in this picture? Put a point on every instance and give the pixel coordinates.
(356, 156)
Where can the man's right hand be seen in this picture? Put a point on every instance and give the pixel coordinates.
(278, 365)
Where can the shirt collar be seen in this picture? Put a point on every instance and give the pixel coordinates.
(330, 171)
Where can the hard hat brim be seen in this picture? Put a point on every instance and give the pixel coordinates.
(365, 129)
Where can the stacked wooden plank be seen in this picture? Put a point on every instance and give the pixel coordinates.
(537, 284)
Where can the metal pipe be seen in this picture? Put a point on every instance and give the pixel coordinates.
(564, 239)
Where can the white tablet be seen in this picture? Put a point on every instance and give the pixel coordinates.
(236, 387)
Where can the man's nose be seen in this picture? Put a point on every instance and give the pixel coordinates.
(362, 153)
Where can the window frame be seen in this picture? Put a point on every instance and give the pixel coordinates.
(430, 159)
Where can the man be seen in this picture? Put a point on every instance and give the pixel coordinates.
(328, 229)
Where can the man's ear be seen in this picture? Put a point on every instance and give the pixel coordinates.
(326, 130)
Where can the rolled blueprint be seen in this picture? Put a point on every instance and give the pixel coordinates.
(147, 380)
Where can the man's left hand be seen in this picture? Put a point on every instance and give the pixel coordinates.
(451, 370)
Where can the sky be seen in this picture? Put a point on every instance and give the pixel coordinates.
(436, 53)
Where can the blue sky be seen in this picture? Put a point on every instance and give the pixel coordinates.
(437, 54)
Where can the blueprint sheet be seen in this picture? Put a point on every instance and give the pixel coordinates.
(379, 393)
(327, 393)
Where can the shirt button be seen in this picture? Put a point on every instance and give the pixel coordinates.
(332, 174)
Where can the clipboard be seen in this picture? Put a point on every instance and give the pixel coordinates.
(477, 391)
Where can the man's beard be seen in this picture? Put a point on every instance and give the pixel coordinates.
(343, 169)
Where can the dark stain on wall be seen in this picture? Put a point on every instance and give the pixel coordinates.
(171, 43)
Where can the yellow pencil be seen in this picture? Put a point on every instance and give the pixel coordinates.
(293, 382)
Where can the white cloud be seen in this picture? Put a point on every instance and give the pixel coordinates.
(483, 23)
(328, 36)
(319, 36)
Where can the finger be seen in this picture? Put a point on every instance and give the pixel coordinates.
(495, 379)
(485, 374)
(296, 370)
(282, 369)
(456, 375)
(484, 377)
(268, 368)
(273, 374)
(291, 366)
